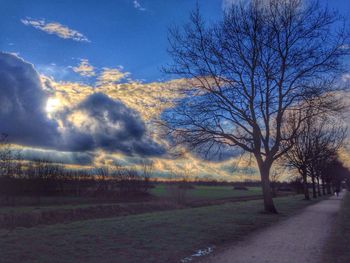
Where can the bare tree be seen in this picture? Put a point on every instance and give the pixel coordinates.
(314, 148)
(147, 171)
(79, 178)
(102, 173)
(176, 187)
(337, 173)
(6, 156)
(247, 72)
(11, 169)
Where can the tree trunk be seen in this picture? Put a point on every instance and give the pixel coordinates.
(323, 187)
(313, 187)
(329, 191)
(318, 186)
(77, 193)
(269, 206)
(306, 187)
(273, 189)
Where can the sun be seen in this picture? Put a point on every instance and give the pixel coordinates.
(52, 105)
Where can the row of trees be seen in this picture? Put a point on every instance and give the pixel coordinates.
(314, 154)
(37, 178)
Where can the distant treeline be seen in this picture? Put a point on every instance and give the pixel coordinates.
(38, 178)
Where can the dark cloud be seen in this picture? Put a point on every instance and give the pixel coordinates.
(108, 124)
(80, 158)
(22, 104)
(235, 169)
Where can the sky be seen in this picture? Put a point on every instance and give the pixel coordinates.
(66, 63)
(124, 33)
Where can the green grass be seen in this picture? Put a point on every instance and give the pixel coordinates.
(27, 204)
(208, 192)
(65, 202)
(337, 247)
(53, 200)
(152, 237)
(42, 208)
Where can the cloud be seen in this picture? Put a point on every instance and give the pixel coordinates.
(111, 75)
(69, 94)
(23, 102)
(84, 68)
(54, 71)
(148, 99)
(73, 158)
(84, 120)
(138, 6)
(103, 123)
(56, 29)
(92, 125)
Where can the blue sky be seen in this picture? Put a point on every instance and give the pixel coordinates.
(120, 33)
(124, 32)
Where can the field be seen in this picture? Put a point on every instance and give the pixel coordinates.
(159, 192)
(201, 192)
(167, 236)
(64, 209)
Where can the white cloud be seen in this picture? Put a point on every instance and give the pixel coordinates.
(111, 75)
(55, 28)
(138, 6)
(53, 70)
(84, 68)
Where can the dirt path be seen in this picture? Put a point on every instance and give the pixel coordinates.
(299, 239)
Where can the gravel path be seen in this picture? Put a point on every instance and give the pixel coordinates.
(298, 239)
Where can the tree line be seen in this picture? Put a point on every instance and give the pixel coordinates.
(314, 154)
(39, 177)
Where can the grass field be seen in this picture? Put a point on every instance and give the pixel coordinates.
(201, 192)
(160, 191)
(151, 237)
(338, 246)
(36, 208)
(68, 209)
